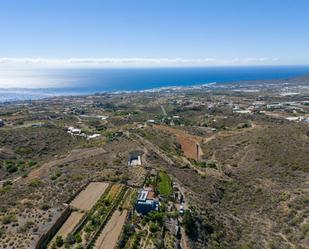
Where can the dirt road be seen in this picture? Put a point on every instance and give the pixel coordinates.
(154, 148)
(73, 156)
(184, 240)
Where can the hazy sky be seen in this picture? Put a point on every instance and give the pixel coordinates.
(158, 32)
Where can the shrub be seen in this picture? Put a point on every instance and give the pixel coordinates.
(305, 229)
(7, 219)
(69, 241)
(78, 238)
(59, 241)
(156, 216)
(53, 177)
(31, 163)
(45, 206)
(7, 183)
(58, 173)
(153, 227)
(1, 232)
(25, 227)
(35, 183)
(10, 166)
(189, 224)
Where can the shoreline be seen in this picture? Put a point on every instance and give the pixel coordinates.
(32, 94)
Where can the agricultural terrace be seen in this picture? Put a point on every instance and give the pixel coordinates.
(102, 225)
(109, 236)
(89, 196)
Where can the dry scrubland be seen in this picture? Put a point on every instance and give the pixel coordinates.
(258, 195)
(261, 196)
(248, 190)
(32, 204)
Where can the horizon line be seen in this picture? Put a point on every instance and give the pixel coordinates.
(117, 62)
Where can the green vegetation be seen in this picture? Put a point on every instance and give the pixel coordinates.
(10, 166)
(35, 183)
(97, 216)
(205, 164)
(189, 224)
(165, 184)
(59, 241)
(7, 219)
(56, 175)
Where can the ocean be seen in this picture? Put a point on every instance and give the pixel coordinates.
(53, 82)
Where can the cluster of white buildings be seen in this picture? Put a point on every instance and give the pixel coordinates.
(78, 132)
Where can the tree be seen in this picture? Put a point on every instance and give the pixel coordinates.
(189, 224)
(78, 238)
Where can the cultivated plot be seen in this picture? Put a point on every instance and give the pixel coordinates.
(89, 196)
(109, 236)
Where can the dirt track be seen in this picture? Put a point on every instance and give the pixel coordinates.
(89, 196)
(73, 156)
(109, 237)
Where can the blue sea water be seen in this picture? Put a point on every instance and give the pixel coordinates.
(100, 80)
(88, 81)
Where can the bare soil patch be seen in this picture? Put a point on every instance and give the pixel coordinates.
(70, 224)
(109, 237)
(189, 143)
(89, 196)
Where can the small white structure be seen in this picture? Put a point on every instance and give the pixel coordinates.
(74, 131)
(151, 121)
(135, 160)
(296, 119)
(93, 136)
(181, 209)
(243, 111)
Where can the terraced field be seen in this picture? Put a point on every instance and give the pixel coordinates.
(89, 196)
(109, 237)
(98, 223)
(73, 220)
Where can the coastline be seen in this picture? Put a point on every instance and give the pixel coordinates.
(11, 95)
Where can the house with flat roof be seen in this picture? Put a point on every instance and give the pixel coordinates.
(135, 159)
(146, 202)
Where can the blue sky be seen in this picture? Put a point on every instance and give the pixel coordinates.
(160, 32)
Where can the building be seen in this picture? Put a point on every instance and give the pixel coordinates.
(134, 160)
(74, 131)
(93, 136)
(274, 106)
(146, 202)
